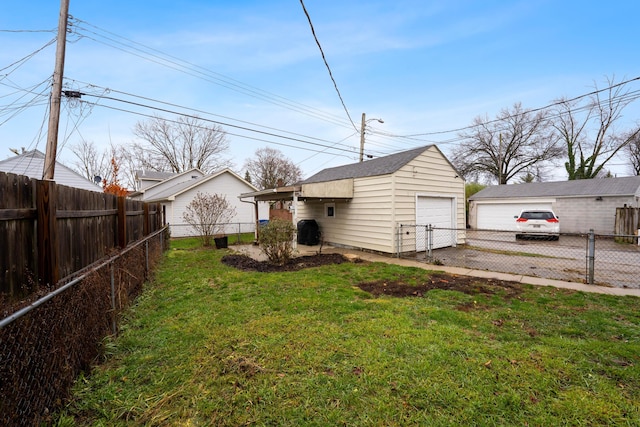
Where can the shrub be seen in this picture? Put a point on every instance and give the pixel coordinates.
(276, 239)
(208, 214)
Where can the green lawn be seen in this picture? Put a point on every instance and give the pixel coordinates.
(210, 345)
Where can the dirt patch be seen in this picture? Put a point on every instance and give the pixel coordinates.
(465, 284)
(396, 288)
(246, 263)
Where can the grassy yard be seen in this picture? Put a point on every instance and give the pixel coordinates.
(210, 345)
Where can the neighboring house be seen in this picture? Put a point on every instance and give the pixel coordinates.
(361, 205)
(581, 204)
(31, 164)
(176, 192)
(146, 179)
(149, 188)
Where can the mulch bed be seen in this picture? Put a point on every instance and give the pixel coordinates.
(246, 263)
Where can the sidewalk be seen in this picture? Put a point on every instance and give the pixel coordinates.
(256, 252)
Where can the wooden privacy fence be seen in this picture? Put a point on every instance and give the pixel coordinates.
(51, 231)
(627, 223)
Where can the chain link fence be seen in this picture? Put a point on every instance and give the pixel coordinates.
(599, 259)
(47, 340)
(233, 230)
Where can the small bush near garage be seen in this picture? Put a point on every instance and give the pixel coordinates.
(276, 239)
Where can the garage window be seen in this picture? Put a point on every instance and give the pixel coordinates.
(329, 210)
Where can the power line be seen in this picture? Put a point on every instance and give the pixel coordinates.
(23, 60)
(13, 109)
(156, 56)
(335, 85)
(29, 31)
(207, 75)
(173, 105)
(165, 110)
(548, 106)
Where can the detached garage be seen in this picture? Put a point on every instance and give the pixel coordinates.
(581, 205)
(361, 205)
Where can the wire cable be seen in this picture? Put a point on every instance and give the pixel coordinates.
(23, 60)
(335, 85)
(173, 105)
(164, 59)
(211, 121)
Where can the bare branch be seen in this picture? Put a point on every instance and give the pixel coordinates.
(508, 147)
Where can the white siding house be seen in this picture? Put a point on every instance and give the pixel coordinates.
(146, 179)
(581, 204)
(362, 205)
(31, 164)
(177, 192)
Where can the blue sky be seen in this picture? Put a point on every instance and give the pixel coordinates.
(421, 66)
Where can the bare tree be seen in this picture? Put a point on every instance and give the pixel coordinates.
(91, 162)
(633, 150)
(509, 146)
(270, 168)
(181, 144)
(588, 132)
(208, 214)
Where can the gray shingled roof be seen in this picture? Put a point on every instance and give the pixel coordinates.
(380, 166)
(583, 187)
(178, 188)
(153, 175)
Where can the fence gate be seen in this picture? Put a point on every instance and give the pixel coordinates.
(414, 238)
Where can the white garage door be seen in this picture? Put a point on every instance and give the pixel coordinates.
(439, 212)
(500, 216)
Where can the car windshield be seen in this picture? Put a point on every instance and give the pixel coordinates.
(537, 215)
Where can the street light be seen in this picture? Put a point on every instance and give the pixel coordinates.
(362, 127)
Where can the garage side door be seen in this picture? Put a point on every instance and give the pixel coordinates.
(500, 216)
(439, 212)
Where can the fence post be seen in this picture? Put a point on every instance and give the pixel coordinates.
(145, 220)
(146, 259)
(122, 222)
(113, 300)
(46, 206)
(591, 257)
(430, 241)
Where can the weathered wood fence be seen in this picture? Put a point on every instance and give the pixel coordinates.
(51, 231)
(627, 223)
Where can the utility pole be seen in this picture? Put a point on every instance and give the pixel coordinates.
(56, 94)
(364, 123)
(362, 128)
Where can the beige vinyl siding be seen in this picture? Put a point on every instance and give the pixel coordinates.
(429, 173)
(381, 203)
(362, 222)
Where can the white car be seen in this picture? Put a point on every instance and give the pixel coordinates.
(543, 223)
